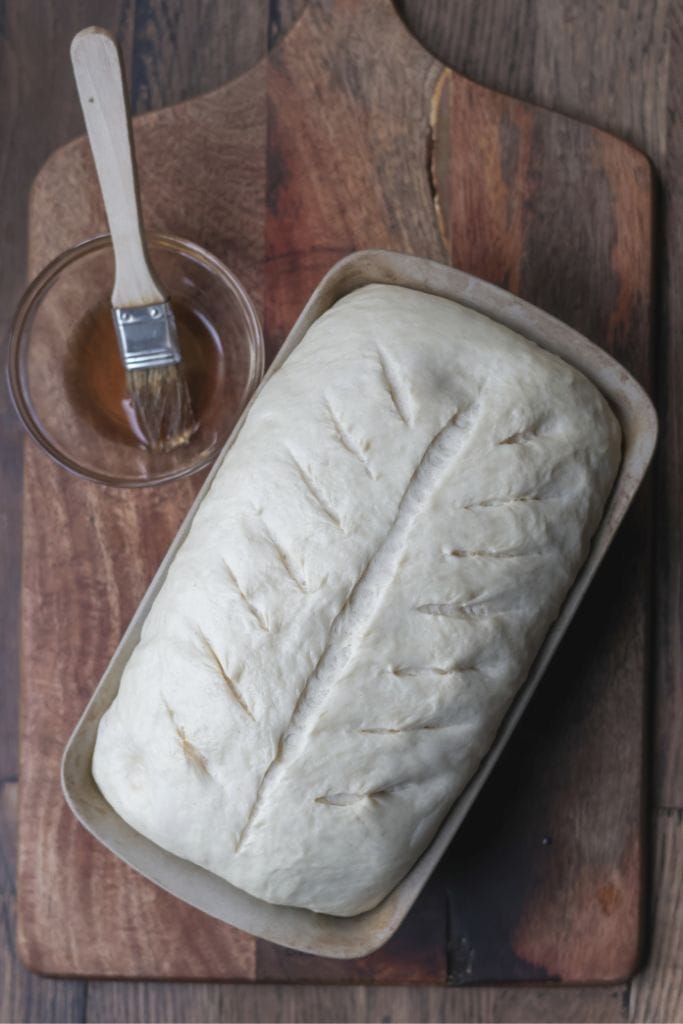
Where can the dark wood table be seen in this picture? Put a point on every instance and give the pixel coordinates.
(615, 63)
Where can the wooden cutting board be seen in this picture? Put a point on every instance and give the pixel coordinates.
(349, 135)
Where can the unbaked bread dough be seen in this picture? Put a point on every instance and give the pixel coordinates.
(359, 598)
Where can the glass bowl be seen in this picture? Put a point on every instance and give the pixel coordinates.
(67, 381)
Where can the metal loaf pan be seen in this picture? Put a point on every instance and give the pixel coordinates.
(301, 929)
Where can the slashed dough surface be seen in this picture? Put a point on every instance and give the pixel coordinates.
(359, 598)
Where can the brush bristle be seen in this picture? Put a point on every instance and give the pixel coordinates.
(162, 404)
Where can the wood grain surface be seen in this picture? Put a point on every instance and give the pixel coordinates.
(419, 160)
(573, 762)
(426, 156)
(618, 66)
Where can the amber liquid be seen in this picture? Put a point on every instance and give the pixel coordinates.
(96, 379)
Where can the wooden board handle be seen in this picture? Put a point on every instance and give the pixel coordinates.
(99, 79)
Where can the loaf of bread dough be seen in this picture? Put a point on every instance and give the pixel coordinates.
(360, 596)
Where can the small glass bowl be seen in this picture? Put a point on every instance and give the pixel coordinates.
(67, 381)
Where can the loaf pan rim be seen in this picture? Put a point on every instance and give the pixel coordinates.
(296, 928)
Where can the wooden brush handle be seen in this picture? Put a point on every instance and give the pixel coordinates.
(99, 78)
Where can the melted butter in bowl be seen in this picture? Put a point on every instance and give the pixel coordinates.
(96, 380)
(69, 385)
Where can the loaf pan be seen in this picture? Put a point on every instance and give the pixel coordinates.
(302, 929)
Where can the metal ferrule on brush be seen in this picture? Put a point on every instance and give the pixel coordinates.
(147, 335)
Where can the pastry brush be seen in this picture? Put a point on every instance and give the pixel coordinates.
(143, 319)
